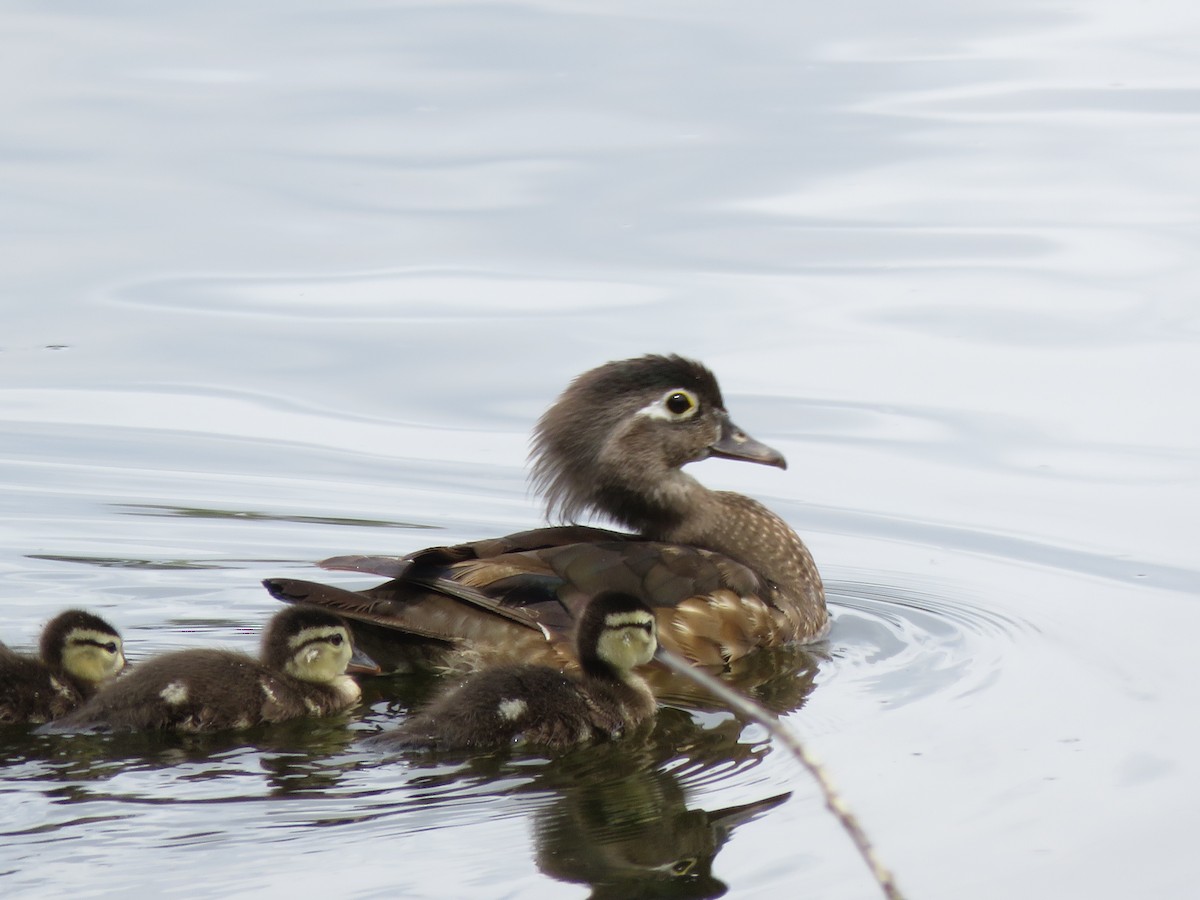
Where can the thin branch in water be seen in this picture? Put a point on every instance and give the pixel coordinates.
(833, 800)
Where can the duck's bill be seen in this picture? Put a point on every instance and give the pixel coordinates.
(736, 444)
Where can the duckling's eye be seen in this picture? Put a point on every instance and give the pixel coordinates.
(678, 403)
(111, 647)
(336, 640)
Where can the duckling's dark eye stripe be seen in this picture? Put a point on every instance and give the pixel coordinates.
(110, 646)
(310, 636)
(643, 626)
(323, 639)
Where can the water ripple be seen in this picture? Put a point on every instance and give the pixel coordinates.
(897, 645)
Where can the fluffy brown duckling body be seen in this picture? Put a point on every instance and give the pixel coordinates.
(302, 672)
(77, 653)
(540, 706)
(723, 573)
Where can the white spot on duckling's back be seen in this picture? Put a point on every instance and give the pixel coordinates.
(511, 710)
(174, 693)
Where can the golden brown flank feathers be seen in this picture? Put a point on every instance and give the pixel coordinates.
(541, 706)
(78, 651)
(302, 672)
(723, 573)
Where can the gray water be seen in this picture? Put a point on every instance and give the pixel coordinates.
(288, 280)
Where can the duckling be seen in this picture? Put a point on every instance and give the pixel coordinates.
(78, 652)
(723, 573)
(302, 672)
(541, 706)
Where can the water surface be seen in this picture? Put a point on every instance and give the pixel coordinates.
(288, 280)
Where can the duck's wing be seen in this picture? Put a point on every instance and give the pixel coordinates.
(432, 590)
(710, 608)
(537, 539)
(504, 596)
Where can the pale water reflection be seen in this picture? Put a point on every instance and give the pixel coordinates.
(289, 280)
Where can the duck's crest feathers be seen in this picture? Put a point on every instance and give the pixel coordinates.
(573, 433)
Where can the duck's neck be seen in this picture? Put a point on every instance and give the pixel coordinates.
(676, 508)
(650, 506)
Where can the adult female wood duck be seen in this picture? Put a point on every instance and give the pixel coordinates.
(539, 705)
(302, 672)
(78, 651)
(723, 573)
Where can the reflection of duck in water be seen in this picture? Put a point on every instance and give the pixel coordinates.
(723, 573)
(541, 706)
(633, 836)
(78, 651)
(302, 673)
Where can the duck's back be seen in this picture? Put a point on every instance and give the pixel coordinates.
(201, 690)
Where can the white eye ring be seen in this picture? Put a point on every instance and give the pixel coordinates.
(681, 404)
(676, 405)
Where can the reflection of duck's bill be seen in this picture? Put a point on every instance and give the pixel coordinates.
(731, 816)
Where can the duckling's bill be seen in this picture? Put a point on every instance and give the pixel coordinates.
(361, 664)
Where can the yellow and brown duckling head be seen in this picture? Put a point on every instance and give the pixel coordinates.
(309, 644)
(539, 705)
(616, 633)
(83, 646)
(78, 652)
(616, 438)
(302, 672)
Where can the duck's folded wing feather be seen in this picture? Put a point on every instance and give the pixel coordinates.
(501, 590)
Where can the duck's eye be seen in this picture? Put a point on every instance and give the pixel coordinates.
(111, 647)
(678, 403)
(683, 866)
(336, 640)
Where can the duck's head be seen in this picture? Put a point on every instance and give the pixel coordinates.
(615, 439)
(83, 645)
(616, 633)
(308, 643)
